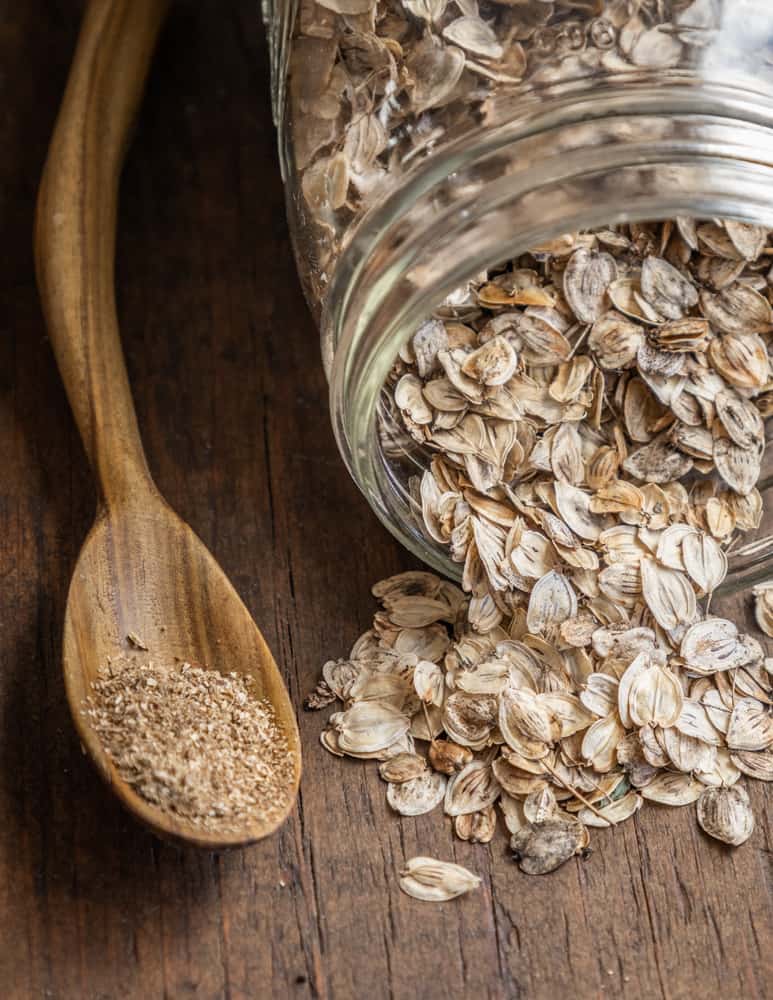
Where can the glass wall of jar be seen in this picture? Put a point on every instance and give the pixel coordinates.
(428, 145)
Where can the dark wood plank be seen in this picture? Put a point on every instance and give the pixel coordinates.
(232, 402)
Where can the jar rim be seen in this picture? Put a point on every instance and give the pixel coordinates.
(592, 156)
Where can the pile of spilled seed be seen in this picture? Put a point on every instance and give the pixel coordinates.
(195, 742)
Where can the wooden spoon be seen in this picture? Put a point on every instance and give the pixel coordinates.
(141, 571)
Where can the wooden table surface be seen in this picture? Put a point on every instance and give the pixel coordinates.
(225, 367)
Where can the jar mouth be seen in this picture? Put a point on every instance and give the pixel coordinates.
(592, 156)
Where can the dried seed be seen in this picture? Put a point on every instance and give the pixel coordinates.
(448, 757)
(670, 293)
(477, 828)
(658, 462)
(757, 765)
(472, 789)
(615, 340)
(599, 744)
(612, 813)
(763, 608)
(429, 682)
(552, 602)
(737, 310)
(668, 594)
(418, 795)
(540, 848)
(739, 467)
(402, 767)
(586, 279)
(672, 789)
(475, 36)
(435, 881)
(524, 723)
(726, 814)
(574, 507)
(368, 727)
(704, 561)
(750, 726)
(712, 645)
(655, 697)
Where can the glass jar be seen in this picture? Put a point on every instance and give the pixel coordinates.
(425, 141)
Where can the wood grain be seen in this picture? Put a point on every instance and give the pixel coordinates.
(231, 401)
(141, 571)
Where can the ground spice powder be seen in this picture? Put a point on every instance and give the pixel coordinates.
(194, 742)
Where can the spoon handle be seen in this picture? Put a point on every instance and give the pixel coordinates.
(75, 235)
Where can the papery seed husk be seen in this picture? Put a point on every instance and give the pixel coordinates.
(430, 338)
(586, 279)
(600, 742)
(534, 556)
(651, 742)
(737, 310)
(739, 467)
(541, 805)
(541, 848)
(474, 35)
(741, 359)
(694, 721)
(472, 789)
(711, 645)
(436, 881)
(402, 767)
(493, 363)
(722, 772)
(613, 812)
(418, 795)
(574, 507)
(600, 694)
(740, 418)
(668, 594)
(756, 764)
(658, 462)
(448, 757)
(368, 727)
(673, 789)
(566, 455)
(748, 239)
(478, 827)
(726, 814)
(615, 340)
(687, 753)
(750, 726)
(669, 551)
(552, 602)
(489, 677)
(666, 288)
(468, 719)
(704, 561)
(435, 71)
(513, 780)
(569, 712)
(340, 675)
(429, 682)
(524, 724)
(655, 697)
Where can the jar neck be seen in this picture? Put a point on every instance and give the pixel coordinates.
(588, 155)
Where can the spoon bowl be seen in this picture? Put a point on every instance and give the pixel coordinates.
(142, 574)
